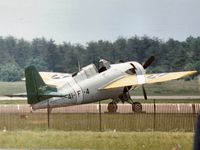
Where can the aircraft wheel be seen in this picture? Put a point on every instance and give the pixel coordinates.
(112, 107)
(137, 107)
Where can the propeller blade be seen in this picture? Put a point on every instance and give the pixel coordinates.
(144, 92)
(148, 62)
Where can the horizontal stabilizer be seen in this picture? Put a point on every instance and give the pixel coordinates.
(49, 95)
(17, 95)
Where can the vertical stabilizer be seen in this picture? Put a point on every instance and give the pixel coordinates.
(36, 88)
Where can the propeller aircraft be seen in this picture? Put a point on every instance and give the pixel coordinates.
(89, 85)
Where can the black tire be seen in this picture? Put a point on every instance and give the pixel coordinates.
(137, 107)
(112, 107)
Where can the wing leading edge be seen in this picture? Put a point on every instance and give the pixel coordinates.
(132, 80)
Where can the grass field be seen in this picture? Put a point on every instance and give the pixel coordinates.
(97, 140)
(7, 102)
(12, 87)
(176, 87)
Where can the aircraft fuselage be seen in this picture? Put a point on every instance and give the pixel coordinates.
(85, 86)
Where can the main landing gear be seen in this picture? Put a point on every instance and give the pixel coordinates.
(136, 107)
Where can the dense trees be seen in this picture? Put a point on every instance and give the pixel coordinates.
(46, 55)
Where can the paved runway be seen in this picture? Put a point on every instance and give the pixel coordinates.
(2, 98)
(94, 108)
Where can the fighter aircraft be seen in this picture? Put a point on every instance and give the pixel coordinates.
(109, 81)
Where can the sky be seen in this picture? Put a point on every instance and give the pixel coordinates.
(82, 21)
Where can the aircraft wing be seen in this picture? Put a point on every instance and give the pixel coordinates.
(163, 77)
(134, 80)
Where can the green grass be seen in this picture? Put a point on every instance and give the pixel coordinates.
(7, 102)
(12, 87)
(176, 87)
(96, 140)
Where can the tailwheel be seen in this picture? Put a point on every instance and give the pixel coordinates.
(136, 107)
(112, 107)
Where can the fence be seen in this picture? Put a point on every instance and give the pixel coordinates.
(162, 117)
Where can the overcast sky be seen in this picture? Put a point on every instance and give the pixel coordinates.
(80, 21)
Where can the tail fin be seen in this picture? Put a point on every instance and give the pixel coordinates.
(36, 88)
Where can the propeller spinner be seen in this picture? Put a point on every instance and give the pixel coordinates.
(147, 63)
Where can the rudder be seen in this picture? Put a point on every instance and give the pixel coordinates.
(35, 86)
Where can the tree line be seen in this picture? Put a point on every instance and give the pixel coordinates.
(46, 55)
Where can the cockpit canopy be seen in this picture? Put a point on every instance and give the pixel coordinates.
(86, 72)
(103, 65)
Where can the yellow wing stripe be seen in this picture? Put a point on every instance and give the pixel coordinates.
(126, 80)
